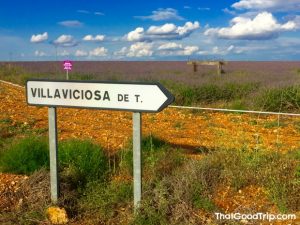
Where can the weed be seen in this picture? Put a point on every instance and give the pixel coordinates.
(173, 187)
(8, 129)
(239, 169)
(39, 131)
(297, 125)
(13, 73)
(25, 156)
(82, 162)
(79, 76)
(178, 125)
(273, 124)
(30, 217)
(158, 158)
(202, 150)
(209, 93)
(253, 122)
(203, 203)
(238, 105)
(152, 119)
(6, 121)
(280, 99)
(113, 77)
(103, 202)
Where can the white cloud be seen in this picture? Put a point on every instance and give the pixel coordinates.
(203, 8)
(187, 28)
(270, 5)
(81, 53)
(96, 38)
(65, 41)
(167, 31)
(139, 49)
(39, 53)
(71, 23)
(162, 14)
(162, 30)
(89, 12)
(222, 51)
(263, 26)
(136, 35)
(172, 48)
(219, 51)
(189, 50)
(100, 51)
(63, 53)
(230, 48)
(38, 38)
(83, 11)
(122, 52)
(99, 13)
(250, 48)
(296, 20)
(228, 11)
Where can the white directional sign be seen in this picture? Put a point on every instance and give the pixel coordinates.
(139, 97)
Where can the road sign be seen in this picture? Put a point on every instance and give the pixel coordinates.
(136, 97)
(67, 65)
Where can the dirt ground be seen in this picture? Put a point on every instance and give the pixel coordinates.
(178, 127)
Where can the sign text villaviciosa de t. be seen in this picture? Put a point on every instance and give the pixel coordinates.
(143, 97)
(135, 97)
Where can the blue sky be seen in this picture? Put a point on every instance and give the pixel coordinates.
(149, 30)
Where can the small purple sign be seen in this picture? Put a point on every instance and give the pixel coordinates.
(67, 65)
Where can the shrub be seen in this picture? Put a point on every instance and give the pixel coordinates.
(25, 156)
(9, 70)
(229, 91)
(82, 161)
(78, 76)
(275, 172)
(209, 93)
(103, 201)
(12, 73)
(172, 199)
(203, 203)
(158, 158)
(238, 105)
(280, 99)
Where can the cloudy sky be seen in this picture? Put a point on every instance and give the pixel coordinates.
(150, 30)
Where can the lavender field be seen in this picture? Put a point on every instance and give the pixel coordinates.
(270, 85)
(272, 73)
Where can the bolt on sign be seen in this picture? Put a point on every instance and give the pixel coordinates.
(128, 96)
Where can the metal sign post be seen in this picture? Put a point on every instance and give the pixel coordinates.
(125, 96)
(54, 182)
(137, 168)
